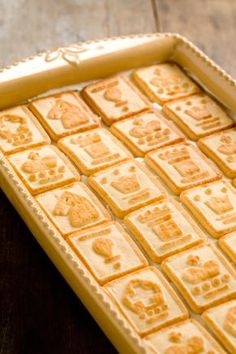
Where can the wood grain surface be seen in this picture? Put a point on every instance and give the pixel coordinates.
(39, 312)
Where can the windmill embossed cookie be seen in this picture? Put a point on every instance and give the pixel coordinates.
(203, 276)
(228, 245)
(146, 131)
(63, 114)
(222, 322)
(198, 115)
(147, 300)
(164, 228)
(72, 208)
(214, 206)
(94, 150)
(126, 187)
(187, 337)
(19, 130)
(108, 251)
(43, 168)
(115, 98)
(221, 147)
(182, 166)
(164, 82)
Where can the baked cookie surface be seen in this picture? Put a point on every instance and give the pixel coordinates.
(147, 300)
(203, 276)
(164, 82)
(182, 166)
(198, 115)
(228, 245)
(146, 131)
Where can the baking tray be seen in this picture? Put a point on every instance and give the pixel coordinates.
(72, 65)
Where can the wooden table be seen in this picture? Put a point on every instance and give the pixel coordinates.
(39, 312)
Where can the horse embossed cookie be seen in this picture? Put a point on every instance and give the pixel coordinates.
(63, 114)
(214, 206)
(19, 130)
(114, 99)
(43, 168)
(203, 276)
(164, 82)
(147, 300)
(164, 228)
(222, 322)
(221, 147)
(187, 337)
(182, 166)
(146, 131)
(72, 208)
(94, 150)
(108, 251)
(126, 187)
(197, 115)
(228, 245)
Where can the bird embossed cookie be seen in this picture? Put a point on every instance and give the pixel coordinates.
(147, 300)
(146, 131)
(115, 98)
(164, 228)
(126, 187)
(197, 115)
(164, 82)
(182, 166)
(63, 114)
(94, 150)
(202, 275)
(108, 251)
(20, 130)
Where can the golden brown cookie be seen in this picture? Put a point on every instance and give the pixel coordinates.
(146, 131)
(228, 245)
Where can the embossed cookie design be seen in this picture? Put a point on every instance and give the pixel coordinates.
(198, 115)
(228, 245)
(63, 114)
(164, 228)
(222, 322)
(184, 338)
(164, 82)
(43, 168)
(146, 131)
(146, 300)
(182, 166)
(221, 147)
(126, 187)
(203, 276)
(93, 150)
(108, 251)
(214, 206)
(19, 130)
(114, 99)
(73, 208)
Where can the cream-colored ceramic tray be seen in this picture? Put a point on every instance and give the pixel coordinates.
(69, 66)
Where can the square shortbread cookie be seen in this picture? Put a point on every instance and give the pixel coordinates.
(20, 130)
(72, 208)
(198, 115)
(164, 82)
(214, 206)
(63, 114)
(108, 251)
(222, 322)
(146, 131)
(147, 300)
(228, 245)
(94, 150)
(115, 98)
(202, 275)
(182, 166)
(43, 168)
(126, 187)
